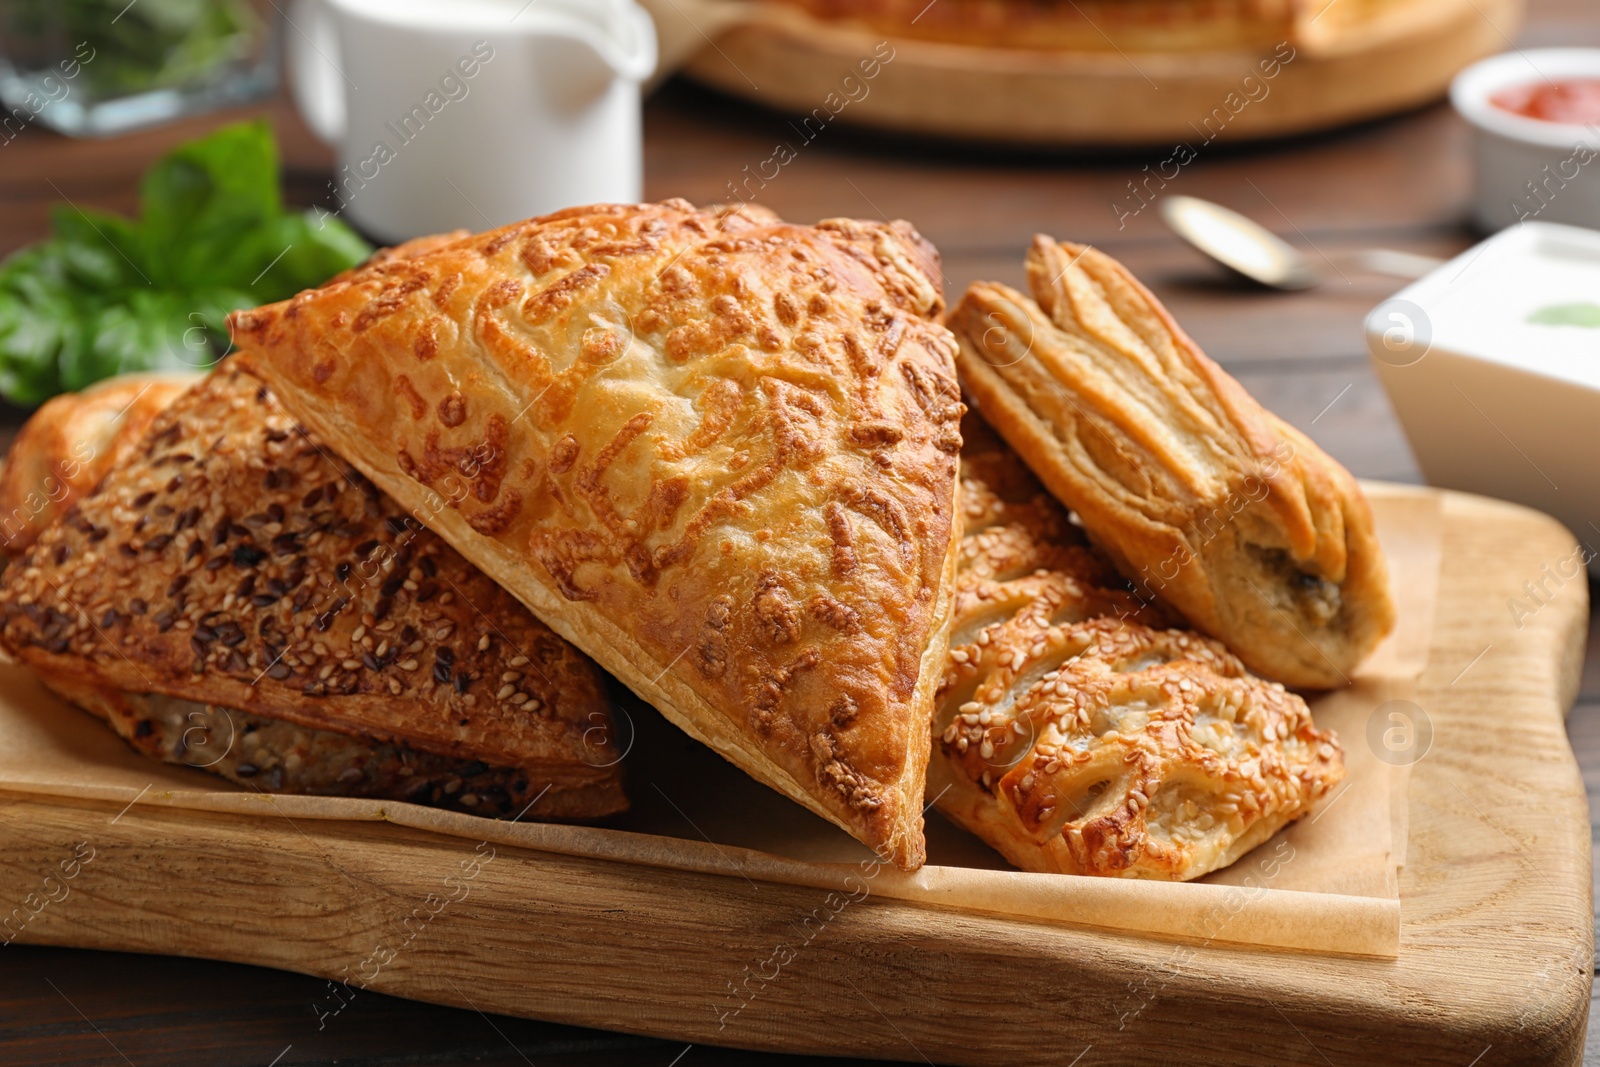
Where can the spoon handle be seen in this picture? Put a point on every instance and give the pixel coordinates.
(1385, 261)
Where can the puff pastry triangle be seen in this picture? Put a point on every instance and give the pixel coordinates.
(715, 451)
(231, 597)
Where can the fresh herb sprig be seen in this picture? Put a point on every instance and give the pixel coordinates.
(105, 294)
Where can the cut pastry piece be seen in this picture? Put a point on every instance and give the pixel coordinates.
(1201, 497)
(68, 445)
(236, 598)
(1076, 736)
(715, 451)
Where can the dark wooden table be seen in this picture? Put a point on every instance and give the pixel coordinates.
(1400, 183)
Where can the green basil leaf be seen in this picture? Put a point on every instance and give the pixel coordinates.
(307, 255)
(149, 331)
(31, 342)
(105, 295)
(205, 198)
(37, 321)
(99, 250)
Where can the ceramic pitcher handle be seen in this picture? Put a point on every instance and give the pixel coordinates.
(318, 81)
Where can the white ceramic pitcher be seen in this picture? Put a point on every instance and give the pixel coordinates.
(472, 113)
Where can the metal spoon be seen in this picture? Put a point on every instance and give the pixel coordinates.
(1263, 256)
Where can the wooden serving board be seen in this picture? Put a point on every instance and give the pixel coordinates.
(1403, 58)
(1496, 937)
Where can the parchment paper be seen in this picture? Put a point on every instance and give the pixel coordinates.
(1329, 883)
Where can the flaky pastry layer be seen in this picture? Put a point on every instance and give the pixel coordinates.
(714, 450)
(1203, 499)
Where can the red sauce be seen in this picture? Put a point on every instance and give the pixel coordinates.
(1569, 100)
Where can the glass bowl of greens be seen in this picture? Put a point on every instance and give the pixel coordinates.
(92, 67)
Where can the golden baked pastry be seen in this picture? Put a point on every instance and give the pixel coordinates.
(1076, 734)
(1099, 25)
(1200, 496)
(235, 597)
(70, 442)
(715, 451)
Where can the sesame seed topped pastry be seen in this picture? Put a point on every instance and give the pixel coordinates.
(1076, 734)
(715, 451)
(69, 444)
(235, 598)
(1202, 498)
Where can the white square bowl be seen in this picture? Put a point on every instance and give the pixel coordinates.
(1491, 401)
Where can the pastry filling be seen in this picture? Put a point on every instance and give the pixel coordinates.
(274, 756)
(1312, 596)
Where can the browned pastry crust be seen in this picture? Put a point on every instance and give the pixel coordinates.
(1075, 735)
(715, 451)
(1070, 25)
(233, 561)
(405, 250)
(1096, 25)
(68, 445)
(1200, 496)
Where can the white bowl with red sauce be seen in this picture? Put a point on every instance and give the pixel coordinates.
(1536, 117)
